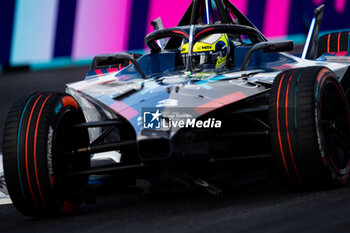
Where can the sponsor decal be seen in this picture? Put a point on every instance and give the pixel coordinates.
(167, 103)
(192, 87)
(49, 151)
(244, 83)
(206, 47)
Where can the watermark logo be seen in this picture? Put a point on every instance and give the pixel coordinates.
(153, 118)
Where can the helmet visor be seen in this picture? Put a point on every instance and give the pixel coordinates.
(203, 60)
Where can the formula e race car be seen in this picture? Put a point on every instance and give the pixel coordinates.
(212, 96)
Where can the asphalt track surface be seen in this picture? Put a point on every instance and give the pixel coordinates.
(260, 206)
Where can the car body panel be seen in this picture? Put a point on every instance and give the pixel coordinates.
(127, 94)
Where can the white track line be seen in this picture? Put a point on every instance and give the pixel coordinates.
(1, 168)
(4, 199)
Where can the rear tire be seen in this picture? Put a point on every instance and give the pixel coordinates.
(37, 134)
(310, 128)
(333, 42)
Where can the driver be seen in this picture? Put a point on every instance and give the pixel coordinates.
(209, 53)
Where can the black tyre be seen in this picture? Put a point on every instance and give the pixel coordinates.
(38, 132)
(310, 128)
(334, 42)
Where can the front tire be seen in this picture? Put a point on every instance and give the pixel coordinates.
(38, 132)
(310, 128)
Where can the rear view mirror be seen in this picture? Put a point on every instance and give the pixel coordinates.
(279, 46)
(115, 60)
(268, 47)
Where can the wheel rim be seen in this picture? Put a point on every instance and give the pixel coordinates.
(334, 115)
(66, 139)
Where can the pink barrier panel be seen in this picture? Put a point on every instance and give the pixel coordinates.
(101, 26)
(339, 5)
(171, 12)
(242, 5)
(318, 2)
(276, 18)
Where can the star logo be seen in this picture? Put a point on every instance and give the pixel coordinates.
(156, 115)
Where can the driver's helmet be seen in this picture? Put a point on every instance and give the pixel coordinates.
(209, 53)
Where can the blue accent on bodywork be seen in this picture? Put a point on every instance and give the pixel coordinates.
(167, 79)
(97, 180)
(260, 60)
(153, 64)
(93, 74)
(205, 85)
(323, 57)
(90, 73)
(221, 46)
(148, 87)
(166, 62)
(107, 100)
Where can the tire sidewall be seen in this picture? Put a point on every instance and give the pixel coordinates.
(339, 176)
(68, 191)
(31, 155)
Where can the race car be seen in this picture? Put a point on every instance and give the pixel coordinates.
(216, 96)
